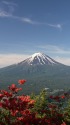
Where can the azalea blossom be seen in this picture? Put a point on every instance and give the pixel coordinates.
(63, 123)
(12, 87)
(22, 81)
(62, 96)
(22, 109)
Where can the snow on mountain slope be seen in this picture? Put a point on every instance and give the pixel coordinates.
(39, 59)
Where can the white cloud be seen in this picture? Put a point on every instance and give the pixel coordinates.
(30, 21)
(54, 49)
(9, 59)
(5, 14)
(27, 20)
(7, 9)
(9, 14)
(63, 60)
(9, 3)
(59, 26)
(63, 55)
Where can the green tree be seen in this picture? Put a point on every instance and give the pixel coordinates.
(40, 102)
(67, 113)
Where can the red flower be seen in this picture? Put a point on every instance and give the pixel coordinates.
(12, 87)
(63, 123)
(56, 98)
(62, 96)
(1, 95)
(0, 104)
(18, 89)
(22, 81)
(51, 97)
(5, 93)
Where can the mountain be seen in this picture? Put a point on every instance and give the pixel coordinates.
(39, 59)
(40, 71)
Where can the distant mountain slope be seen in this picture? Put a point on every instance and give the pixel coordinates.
(40, 71)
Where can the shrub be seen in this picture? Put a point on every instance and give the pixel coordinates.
(36, 110)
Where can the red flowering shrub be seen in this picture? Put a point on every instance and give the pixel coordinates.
(22, 110)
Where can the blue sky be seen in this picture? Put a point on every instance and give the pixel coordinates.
(29, 26)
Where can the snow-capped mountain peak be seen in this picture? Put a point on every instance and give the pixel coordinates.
(39, 59)
(36, 54)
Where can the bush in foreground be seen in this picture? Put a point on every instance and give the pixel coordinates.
(36, 110)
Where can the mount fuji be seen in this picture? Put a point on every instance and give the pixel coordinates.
(39, 59)
(40, 71)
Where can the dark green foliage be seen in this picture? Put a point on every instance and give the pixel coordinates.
(67, 112)
(5, 117)
(40, 102)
